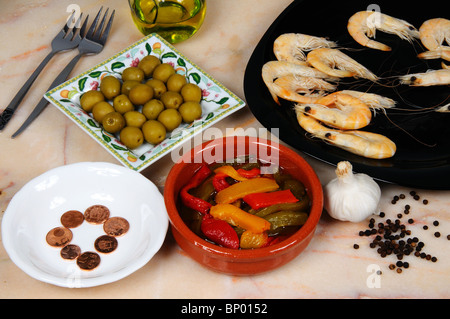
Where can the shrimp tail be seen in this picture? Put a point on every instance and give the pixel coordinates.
(439, 53)
(444, 109)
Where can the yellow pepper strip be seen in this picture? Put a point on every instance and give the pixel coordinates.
(251, 240)
(250, 186)
(238, 217)
(231, 172)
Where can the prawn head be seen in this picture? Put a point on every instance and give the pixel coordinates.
(430, 78)
(339, 110)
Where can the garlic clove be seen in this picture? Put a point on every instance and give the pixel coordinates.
(351, 197)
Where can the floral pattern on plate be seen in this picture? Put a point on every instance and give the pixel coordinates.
(217, 101)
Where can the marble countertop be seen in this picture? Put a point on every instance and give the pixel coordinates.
(330, 267)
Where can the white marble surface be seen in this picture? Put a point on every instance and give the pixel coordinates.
(329, 268)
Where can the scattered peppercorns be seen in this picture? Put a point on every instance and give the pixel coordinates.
(392, 237)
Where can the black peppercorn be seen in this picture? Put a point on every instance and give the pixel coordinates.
(393, 237)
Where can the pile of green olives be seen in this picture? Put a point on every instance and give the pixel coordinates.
(148, 102)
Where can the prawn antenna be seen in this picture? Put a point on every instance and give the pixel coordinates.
(409, 134)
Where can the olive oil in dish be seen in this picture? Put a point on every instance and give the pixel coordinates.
(175, 21)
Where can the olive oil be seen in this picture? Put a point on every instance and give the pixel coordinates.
(175, 20)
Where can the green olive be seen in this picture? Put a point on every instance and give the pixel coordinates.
(190, 111)
(134, 118)
(132, 137)
(191, 92)
(90, 98)
(154, 132)
(140, 94)
(110, 87)
(127, 86)
(113, 122)
(152, 108)
(163, 72)
(133, 73)
(148, 64)
(159, 87)
(122, 104)
(100, 109)
(171, 100)
(176, 82)
(170, 118)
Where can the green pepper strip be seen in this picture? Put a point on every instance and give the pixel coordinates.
(296, 187)
(298, 206)
(205, 190)
(286, 218)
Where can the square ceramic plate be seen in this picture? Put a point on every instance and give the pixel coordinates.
(217, 102)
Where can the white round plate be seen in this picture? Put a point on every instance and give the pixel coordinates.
(38, 206)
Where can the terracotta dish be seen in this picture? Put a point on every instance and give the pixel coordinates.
(242, 261)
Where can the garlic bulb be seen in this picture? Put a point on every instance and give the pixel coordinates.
(351, 197)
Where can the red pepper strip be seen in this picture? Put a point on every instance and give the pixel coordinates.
(219, 181)
(272, 241)
(220, 232)
(193, 202)
(251, 173)
(260, 200)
